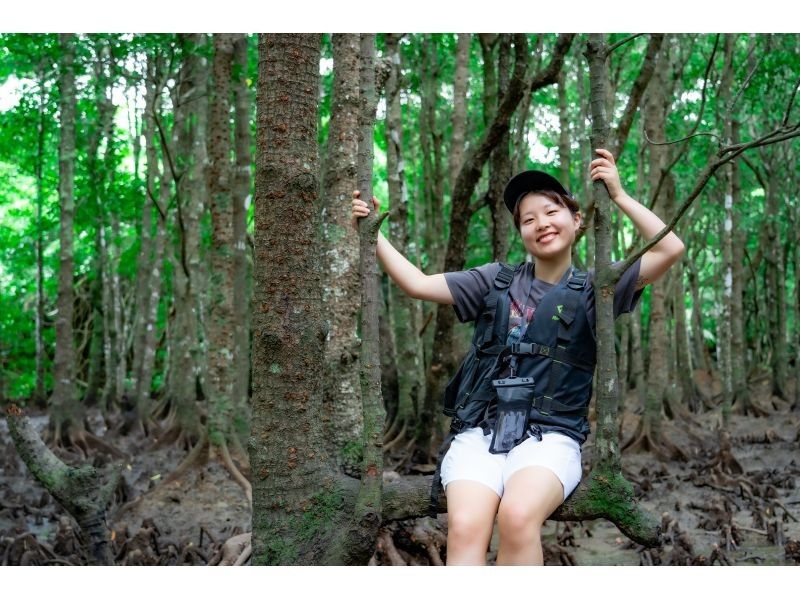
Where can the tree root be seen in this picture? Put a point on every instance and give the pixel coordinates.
(644, 439)
(390, 443)
(235, 551)
(745, 405)
(200, 454)
(78, 437)
(386, 548)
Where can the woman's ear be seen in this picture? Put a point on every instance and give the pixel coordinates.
(577, 218)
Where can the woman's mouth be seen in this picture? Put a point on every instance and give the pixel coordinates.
(546, 238)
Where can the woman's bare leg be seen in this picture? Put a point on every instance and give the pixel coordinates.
(471, 510)
(529, 496)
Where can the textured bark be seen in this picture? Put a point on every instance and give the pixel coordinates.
(220, 179)
(500, 163)
(360, 539)
(79, 490)
(241, 273)
(295, 501)
(342, 287)
(66, 412)
(406, 314)
(606, 493)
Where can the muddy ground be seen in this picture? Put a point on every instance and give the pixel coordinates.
(710, 513)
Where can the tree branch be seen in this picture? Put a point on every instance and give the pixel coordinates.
(624, 41)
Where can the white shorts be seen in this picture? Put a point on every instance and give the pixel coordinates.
(468, 458)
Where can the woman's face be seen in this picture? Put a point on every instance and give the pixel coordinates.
(547, 228)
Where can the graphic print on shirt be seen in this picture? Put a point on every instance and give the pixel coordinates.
(519, 318)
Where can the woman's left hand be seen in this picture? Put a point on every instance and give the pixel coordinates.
(606, 169)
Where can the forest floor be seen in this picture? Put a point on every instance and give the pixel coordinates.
(710, 513)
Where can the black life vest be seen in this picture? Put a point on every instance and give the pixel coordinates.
(558, 350)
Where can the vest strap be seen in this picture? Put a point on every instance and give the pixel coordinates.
(556, 353)
(548, 405)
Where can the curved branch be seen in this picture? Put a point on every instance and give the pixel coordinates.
(624, 41)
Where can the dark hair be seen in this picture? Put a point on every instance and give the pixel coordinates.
(563, 200)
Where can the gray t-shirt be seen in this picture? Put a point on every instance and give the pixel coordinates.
(469, 287)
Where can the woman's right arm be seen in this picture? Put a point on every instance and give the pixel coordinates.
(406, 275)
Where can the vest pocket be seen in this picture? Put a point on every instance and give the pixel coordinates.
(465, 374)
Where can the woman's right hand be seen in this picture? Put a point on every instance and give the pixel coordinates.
(360, 208)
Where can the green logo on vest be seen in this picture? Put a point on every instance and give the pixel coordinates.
(559, 307)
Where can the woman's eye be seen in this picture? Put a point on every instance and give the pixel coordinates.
(551, 212)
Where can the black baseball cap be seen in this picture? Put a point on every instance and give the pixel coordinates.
(531, 180)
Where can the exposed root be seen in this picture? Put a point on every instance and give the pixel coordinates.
(401, 435)
(234, 471)
(746, 405)
(724, 460)
(79, 438)
(643, 439)
(387, 549)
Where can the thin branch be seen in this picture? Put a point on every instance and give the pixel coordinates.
(747, 79)
(791, 101)
(622, 42)
(702, 133)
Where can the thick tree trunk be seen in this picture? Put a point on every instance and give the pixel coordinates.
(295, 499)
(66, 412)
(342, 287)
(406, 313)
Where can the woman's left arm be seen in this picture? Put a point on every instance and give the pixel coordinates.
(658, 259)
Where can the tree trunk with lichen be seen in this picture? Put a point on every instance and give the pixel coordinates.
(80, 490)
(296, 500)
(359, 540)
(341, 393)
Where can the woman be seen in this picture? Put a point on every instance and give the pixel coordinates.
(523, 483)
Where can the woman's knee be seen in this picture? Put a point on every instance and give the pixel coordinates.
(465, 525)
(520, 518)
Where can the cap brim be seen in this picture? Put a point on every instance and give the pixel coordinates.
(530, 180)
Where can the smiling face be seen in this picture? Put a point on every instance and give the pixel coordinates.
(547, 227)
